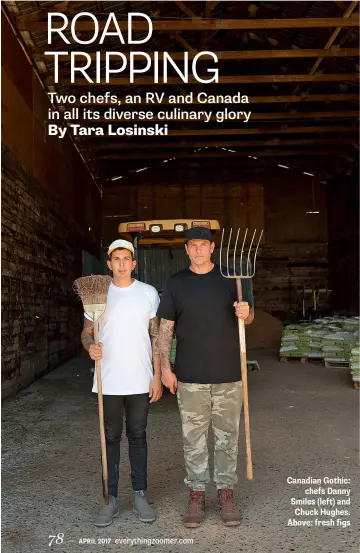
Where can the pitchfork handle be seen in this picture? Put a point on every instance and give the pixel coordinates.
(241, 324)
(101, 421)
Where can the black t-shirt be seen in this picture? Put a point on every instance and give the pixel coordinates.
(207, 350)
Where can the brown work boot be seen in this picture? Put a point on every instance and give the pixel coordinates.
(229, 512)
(196, 509)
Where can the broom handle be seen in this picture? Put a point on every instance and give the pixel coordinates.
(101, 420)
(241, 325)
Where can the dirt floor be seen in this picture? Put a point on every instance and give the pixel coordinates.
(304, 422)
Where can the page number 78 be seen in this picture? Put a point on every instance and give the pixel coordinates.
(59, 538)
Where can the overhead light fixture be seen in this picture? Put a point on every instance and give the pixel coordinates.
(254, 157)
(165, 160)
(283, 166)
(310, 174)
(143, 169)
(313, 212)
(234, 151)
(116, 178)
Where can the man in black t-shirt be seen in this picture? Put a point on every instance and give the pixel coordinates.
(202, 306)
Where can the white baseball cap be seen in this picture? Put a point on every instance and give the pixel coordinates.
(121, 244)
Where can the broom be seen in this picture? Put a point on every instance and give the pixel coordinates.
(93, 291)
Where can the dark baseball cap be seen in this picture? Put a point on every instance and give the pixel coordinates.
(199, 233)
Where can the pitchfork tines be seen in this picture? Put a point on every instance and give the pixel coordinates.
(247, 254)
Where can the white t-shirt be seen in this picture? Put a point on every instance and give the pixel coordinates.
(126, 366)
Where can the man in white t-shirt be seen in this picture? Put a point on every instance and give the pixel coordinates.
(128, 344)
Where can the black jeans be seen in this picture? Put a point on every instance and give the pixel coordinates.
(136, 409)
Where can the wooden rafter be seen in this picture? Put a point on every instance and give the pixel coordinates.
(333, 37)
(206, 24)
(210, 6)
(348, 13)
(280, 146)
(36, 15)
(186, 9)
(181, 40)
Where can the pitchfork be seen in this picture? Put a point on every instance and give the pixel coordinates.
(245, 271)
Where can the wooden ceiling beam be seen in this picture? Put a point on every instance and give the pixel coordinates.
(210, 6)
(177, 36)
(199, 24)
(228, 55)
(296, 98)
(333, 37)
(329, 44)
(186, 9)
(223, 79)
(35, 16)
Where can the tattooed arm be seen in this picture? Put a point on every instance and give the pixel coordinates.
(165, 341)
(155, 389)
(154, 334)
(88, 342)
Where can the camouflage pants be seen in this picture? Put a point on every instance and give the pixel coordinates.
(199, 404)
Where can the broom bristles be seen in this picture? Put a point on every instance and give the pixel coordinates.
(93, 289)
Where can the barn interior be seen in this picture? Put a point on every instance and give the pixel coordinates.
(292, 170)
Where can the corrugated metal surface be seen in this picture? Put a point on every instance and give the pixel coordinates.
(156, 266)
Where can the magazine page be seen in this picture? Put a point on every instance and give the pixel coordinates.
(180, 288)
